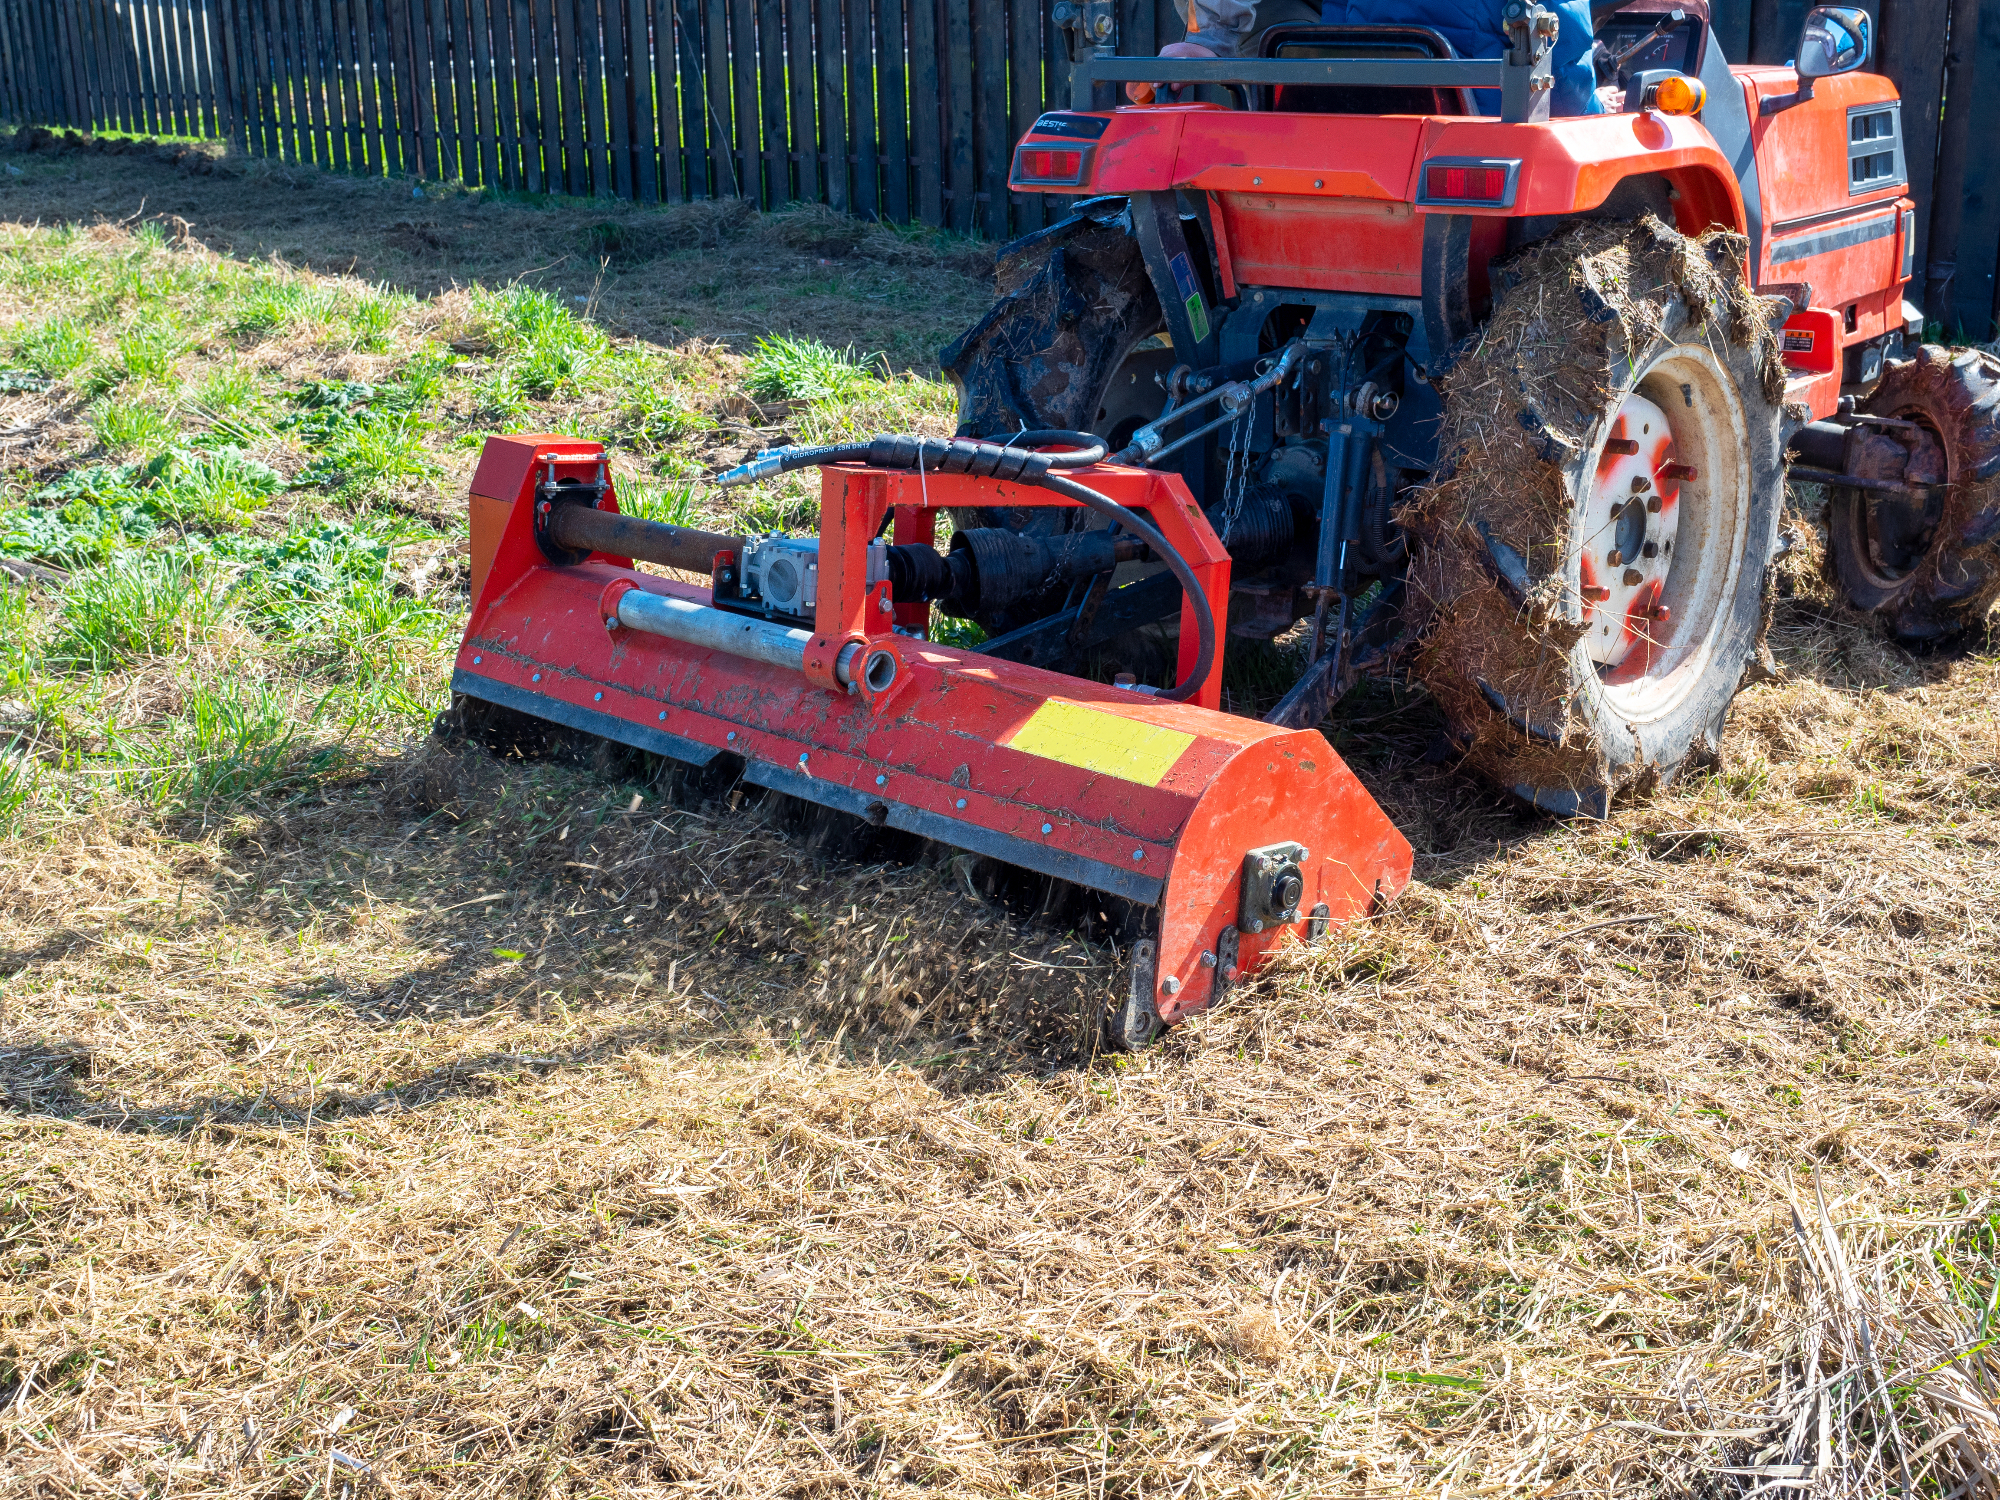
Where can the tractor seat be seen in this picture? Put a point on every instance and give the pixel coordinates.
(1385, 42)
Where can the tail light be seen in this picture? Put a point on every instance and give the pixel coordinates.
(1468, 182)
(1050, 166)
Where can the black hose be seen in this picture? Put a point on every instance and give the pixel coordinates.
(1091, 445)
(1011, 464)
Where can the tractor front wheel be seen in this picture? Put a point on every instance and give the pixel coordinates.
(1589, 574)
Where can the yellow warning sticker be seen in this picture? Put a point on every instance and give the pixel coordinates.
(1095, 741)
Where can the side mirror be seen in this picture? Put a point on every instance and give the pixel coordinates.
(1835, 39)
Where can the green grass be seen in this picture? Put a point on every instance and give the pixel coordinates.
(138, 604)
(54, 347)
(262, 466)
(792, 369)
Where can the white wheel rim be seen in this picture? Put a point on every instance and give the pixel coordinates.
(1665, 622)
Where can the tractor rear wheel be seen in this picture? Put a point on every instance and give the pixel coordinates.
(1930, 568)
(1589, 570)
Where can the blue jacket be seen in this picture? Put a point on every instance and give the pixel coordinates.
(1473, 28)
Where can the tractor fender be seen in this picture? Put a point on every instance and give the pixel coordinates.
(1574, 166)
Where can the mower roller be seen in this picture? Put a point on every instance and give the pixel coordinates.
(1324, 356)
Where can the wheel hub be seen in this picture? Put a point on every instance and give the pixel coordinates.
(1630, 524)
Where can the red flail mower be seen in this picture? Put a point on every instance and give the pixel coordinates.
(1327, 352)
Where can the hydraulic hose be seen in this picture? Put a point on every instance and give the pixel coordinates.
(1009, 463)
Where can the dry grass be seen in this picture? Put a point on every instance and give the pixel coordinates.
(471, 1129)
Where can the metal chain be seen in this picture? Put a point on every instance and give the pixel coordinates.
(1236, 471)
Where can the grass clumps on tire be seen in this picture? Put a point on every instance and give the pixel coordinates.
(1588, 580)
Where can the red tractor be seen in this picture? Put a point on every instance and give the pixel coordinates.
(1546, 370)
(1330, 355)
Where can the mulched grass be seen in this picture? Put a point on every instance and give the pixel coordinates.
(454, 1126)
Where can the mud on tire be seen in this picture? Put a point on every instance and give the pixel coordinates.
(1603, 327)
(1929, 570)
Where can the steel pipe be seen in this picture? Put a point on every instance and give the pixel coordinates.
(718, 630)
(583, 528)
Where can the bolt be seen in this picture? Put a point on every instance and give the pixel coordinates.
(1290, 914)
(1207, 959)
(1048, 828)
(732, 734)
(1257, 182)
(1678, 471)
(887, 607)
(476, 660)
(1170, 986)
(597, 698)
(536, 678)
(802, 757)
(1138, 855)
(881, 781)
(1229, 974)
(1255, 924)
(663, 716)
(611, 623)
(1319, 182)
(961, 804)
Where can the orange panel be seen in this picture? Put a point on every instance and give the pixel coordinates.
(1324, 244)
(1802, 151)
(489, 519)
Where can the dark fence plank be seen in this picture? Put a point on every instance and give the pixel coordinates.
(507, 101)
(746, 133)
(892, 106)
(1974, 301)
(312, 116)
(403, 45)
(194, 68)
(344, 80)
(926, 111)
(375, 127)
(1024, 100)
(722, 174)
(649, 111)
(617, 100)
(862, 142)
(152, 73)
(1913, 57)
(598, 140)
(961, 185)
(465, 91)
(333, 101)
(575, 175)
(693, 92)
(991, 148)
(665, 87)
(484, 94)
(776, 124)
(829, 45)
(548, 96)
(803, 135)
(214, 85)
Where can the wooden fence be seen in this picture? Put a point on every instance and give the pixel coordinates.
(899, 109)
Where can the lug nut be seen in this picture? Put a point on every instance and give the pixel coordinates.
(1651, 549)
(1615, 558)
(1596, 593)
(1633, 578)
(1678, 471)
(1653, 503)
